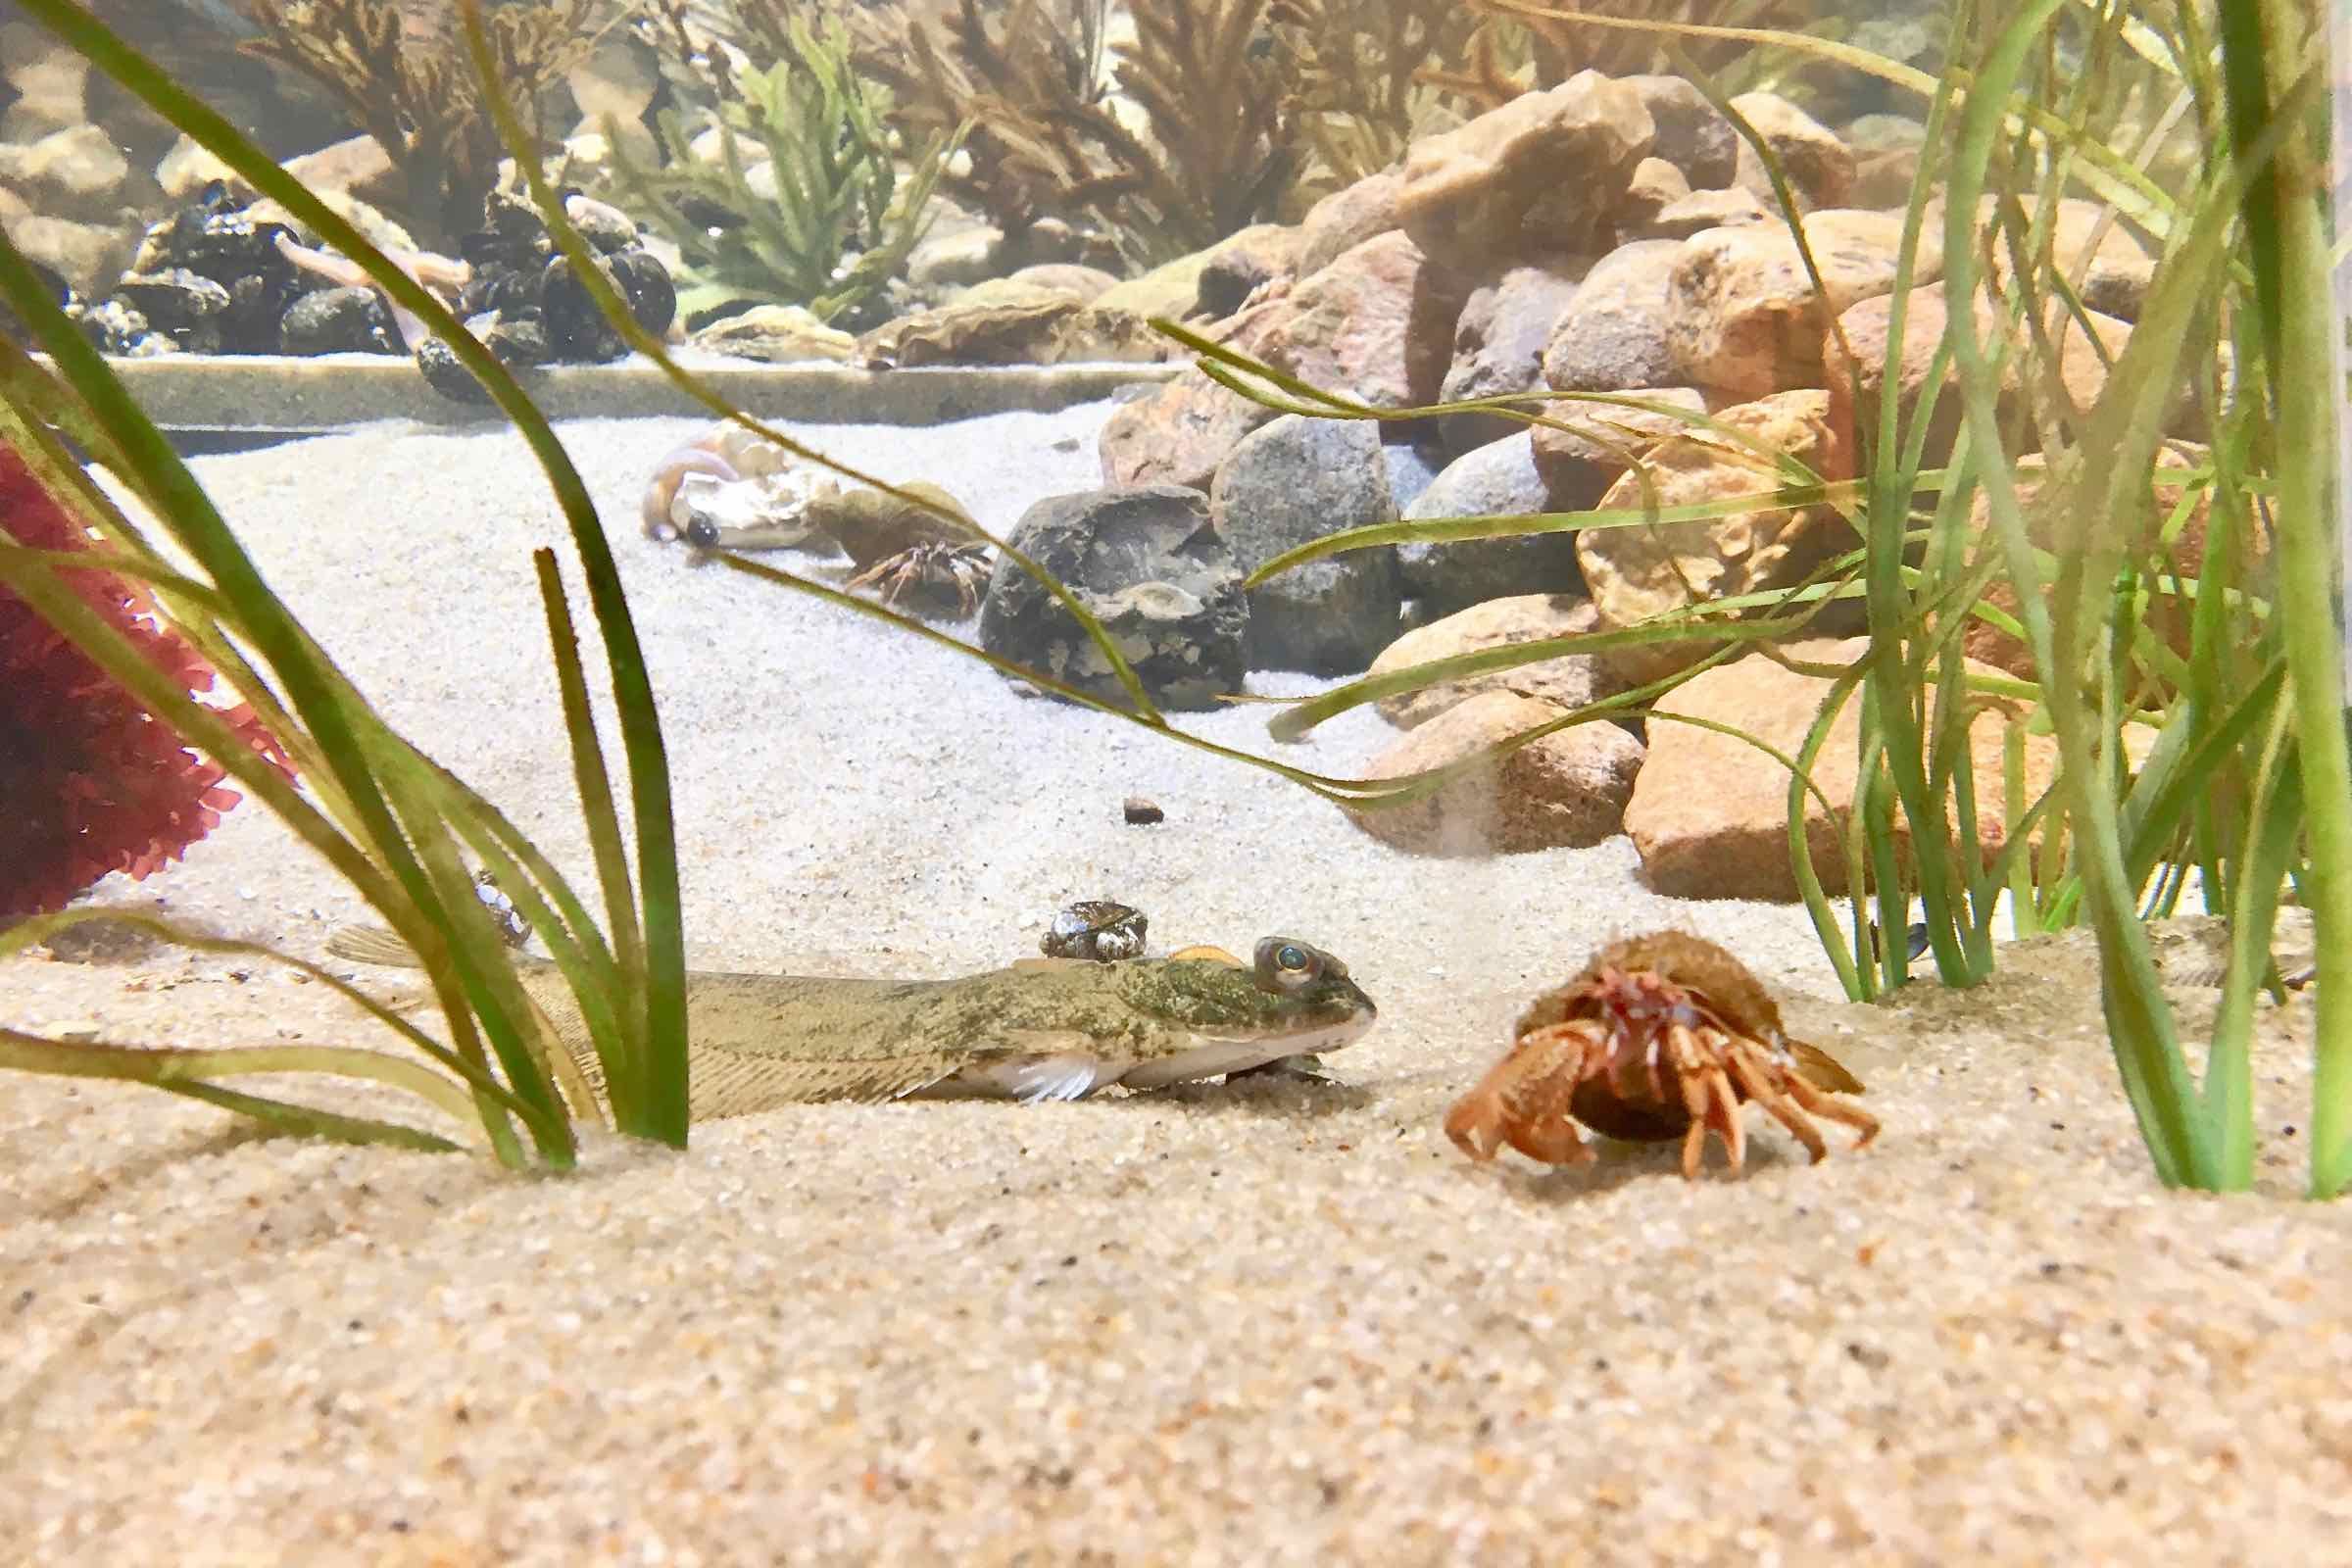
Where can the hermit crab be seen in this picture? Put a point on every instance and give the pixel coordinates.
(1662, 1036)
(731, 489)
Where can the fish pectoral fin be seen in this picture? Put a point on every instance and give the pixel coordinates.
(1033, 1066)
(372, 944)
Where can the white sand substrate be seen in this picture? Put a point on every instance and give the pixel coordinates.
(1267, 1323)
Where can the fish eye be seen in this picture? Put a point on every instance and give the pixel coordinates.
(1290, 957)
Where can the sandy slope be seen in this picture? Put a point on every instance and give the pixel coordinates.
(1264, 1324)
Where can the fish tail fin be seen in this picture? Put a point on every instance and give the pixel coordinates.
(372, 944)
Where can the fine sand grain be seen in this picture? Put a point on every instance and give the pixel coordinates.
(1266, 1323)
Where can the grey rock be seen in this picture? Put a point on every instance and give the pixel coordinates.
(1613, 334)
(1288, 484)
(1498, 344)
(1412, 463)
(1497, 479)
(1144, 561)
(1692, 134)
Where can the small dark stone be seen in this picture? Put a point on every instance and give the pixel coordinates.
(521, 342)
(1141, 813)
(445, 374)
(576, 328)
(118, 329)
(177, 301)
(338, 321)
(647, 286)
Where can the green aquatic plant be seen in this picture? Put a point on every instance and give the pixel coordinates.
(396, 827)
(822, 216)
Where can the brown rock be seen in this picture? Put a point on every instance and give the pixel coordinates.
(1175, 290)
(1347, 218)
(1820, 167)
(1178, 435)
(1568, 681)
(1089, 284)
(2056, 526)
(2082, 364)
(1698, 212)
(1376, 325)
(1182, 432)
(1710, 812)
(1545, 171)
(1743, 315)
(2102, 258)
(1578, 463)
(1568, 789)
(1648, 570)
(1655, 186)
(1009, 322)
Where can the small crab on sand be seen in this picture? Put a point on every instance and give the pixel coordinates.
(1662, 1036)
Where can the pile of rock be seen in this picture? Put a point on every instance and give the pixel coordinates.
(1604, 236)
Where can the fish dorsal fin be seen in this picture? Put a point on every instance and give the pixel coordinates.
(1206, 954)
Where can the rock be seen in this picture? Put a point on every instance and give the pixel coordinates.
(1242, 263)
(1498, 344)
(778, 334)
(47, 83)
(2054, 525)
(1709, 814)
(1068, 278)
(1178, 434)
(2112, 273)
(1542, 173)
(1612, 335)
(185, 305)
(1294, 481)
(1887, 150)
(1498, 479)
(1375, 325)
(1690, 132)
(1647, 569)
(1580, 462)
(1145, 560)
(357, 165)
(2082, 364)
(950, 257)
(1213, 282)
(1413, 463)
(1345, 219)
(1655, 186)
(75, 172)
(1567, 681)
(1742, 314)
(339, 320)
(1007, 322)
(1566, 790)
(1698, 212)
(87, 256)
(1141, 813)
(1819, 167)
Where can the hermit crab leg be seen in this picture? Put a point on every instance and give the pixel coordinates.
(1834, 1108)
(1758, 1079)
